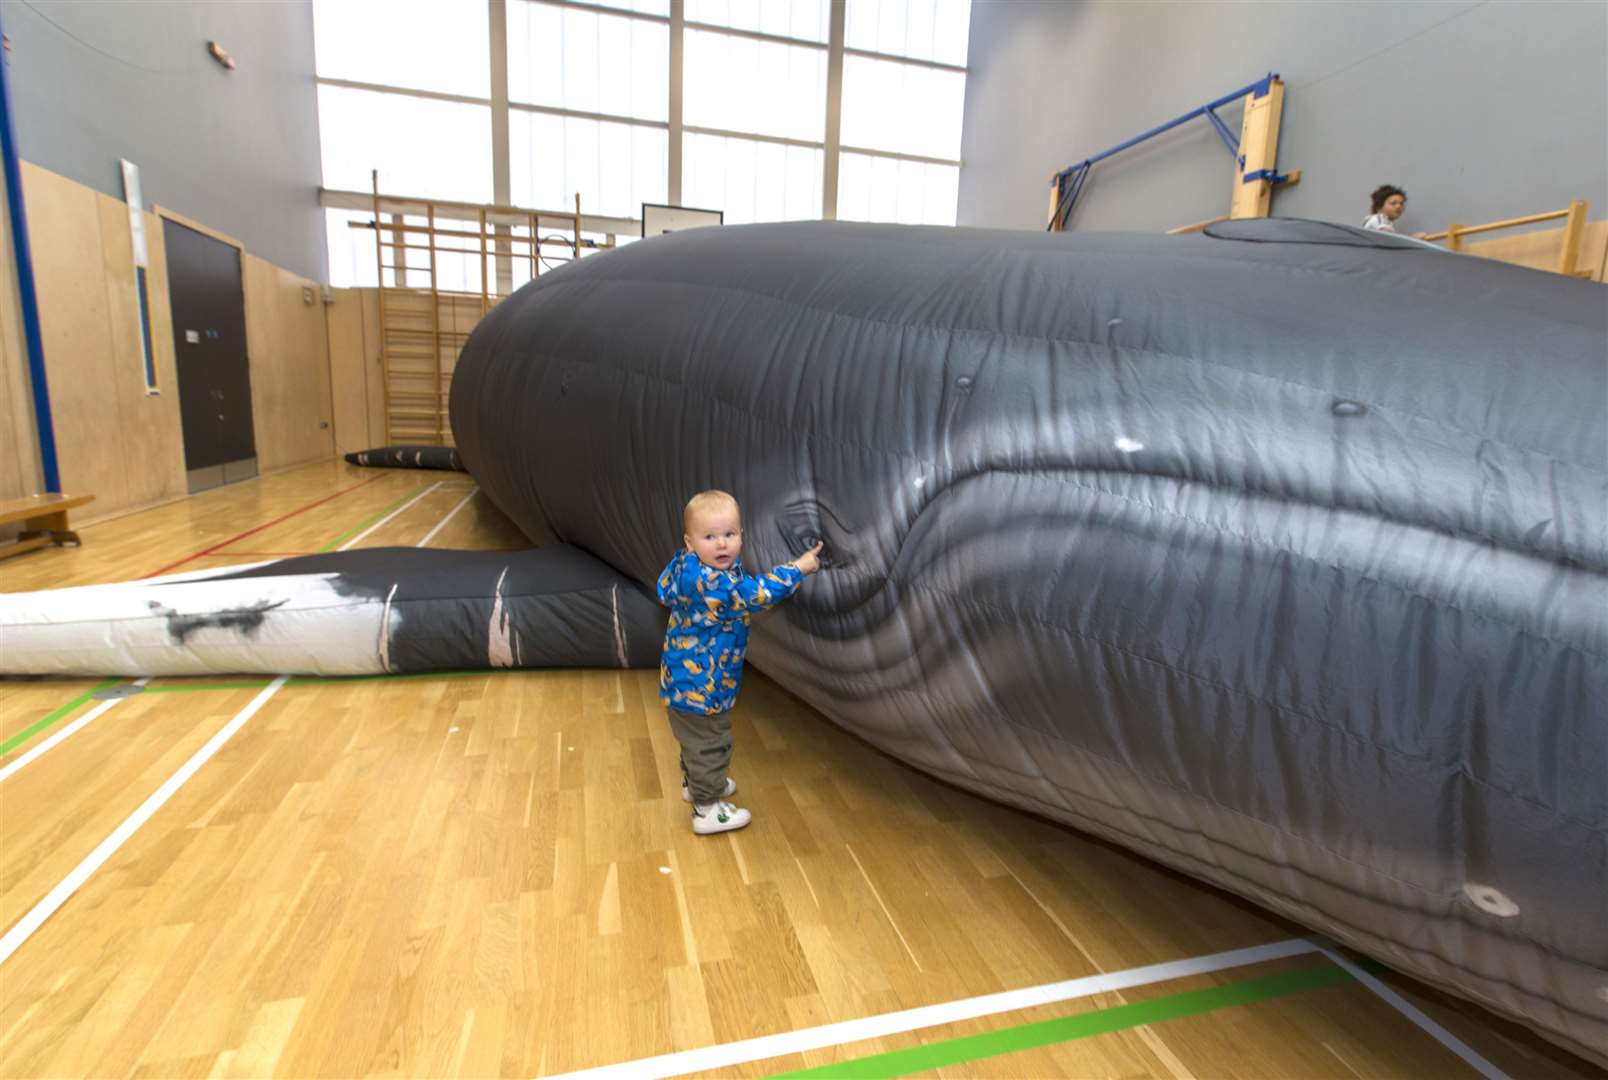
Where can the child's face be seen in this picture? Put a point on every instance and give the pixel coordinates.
(716, 537)
(1394, 206)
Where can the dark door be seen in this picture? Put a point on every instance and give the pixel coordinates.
(209, 340)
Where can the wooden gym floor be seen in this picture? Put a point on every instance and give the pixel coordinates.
(491, 874)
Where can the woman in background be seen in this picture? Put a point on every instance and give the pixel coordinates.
(1388, 203)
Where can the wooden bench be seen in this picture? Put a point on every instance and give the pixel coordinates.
(44, 521)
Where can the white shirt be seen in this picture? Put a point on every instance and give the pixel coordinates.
(1380, 222)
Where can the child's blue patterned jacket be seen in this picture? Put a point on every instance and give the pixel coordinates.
(701, 667)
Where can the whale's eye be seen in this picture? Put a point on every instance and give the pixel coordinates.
(806, 522)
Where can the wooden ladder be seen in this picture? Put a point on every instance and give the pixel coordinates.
(427, 309)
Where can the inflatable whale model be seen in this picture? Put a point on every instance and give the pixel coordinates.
(1278, 554)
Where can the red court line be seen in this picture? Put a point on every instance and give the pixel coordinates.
(265, 554)
(260, 528)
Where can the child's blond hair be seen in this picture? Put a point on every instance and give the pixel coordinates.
(712, 499)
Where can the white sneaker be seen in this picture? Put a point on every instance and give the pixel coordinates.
(731, 789)
(718, 817)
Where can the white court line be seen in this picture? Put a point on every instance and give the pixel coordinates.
(873, 1027)
(65, 733)
(1412, 1012)
(389, 516)
(442, 524)
(58, 896)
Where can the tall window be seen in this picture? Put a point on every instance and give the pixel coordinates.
(580, 85)
(406, 87)
(363, 130)
(755, 118)
(404, 44)
(904, 90)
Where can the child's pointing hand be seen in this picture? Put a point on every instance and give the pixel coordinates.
(809, 562)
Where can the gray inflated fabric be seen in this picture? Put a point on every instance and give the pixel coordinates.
(408, 457)
(1276, 555)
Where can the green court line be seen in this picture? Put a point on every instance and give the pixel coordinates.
(355, 529)
(301, 680)
(1065, 1029)
(39, 725)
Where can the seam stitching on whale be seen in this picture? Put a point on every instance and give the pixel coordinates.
(1061, 477)
(957, 598)
(1091, 253)
(1277, 707)
(1069, 477)
(1000, 335)
(1557, 553)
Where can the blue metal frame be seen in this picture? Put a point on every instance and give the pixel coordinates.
(25, 287)
(1069, 181)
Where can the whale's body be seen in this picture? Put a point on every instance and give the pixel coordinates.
(1278, 554)
(1279, 559)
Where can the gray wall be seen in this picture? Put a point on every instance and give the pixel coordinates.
(235, 150)
(1480, 110)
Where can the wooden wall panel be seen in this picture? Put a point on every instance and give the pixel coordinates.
(348, 372)
(64, 226)
(287, 340)
(19, 444)
(374, 366)
(148, 430)
(113, 440)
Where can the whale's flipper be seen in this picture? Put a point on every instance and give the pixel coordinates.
(369, 611)
(409, 457)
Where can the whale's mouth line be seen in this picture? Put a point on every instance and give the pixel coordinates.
(900, 568)
(1562, 558)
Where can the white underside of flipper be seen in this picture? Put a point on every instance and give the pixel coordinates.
(195, 625)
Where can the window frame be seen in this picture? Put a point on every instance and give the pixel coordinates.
(830, 145)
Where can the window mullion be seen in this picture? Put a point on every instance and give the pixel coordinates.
(501, 185)
(834, 111)
(678, 27)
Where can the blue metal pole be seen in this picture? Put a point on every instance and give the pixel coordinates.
(25, 287)
(1260, 84)
(1223, 133)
